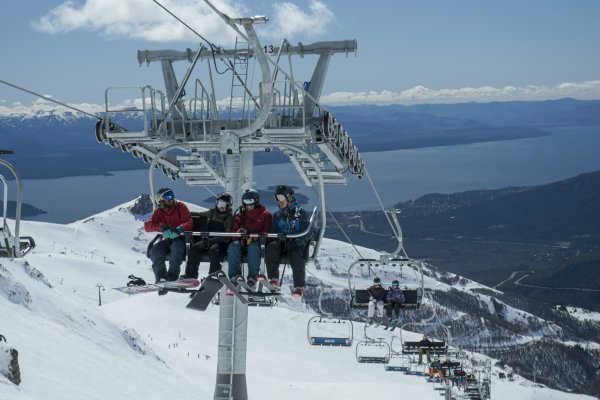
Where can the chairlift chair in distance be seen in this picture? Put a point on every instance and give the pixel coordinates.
(398, 361)
(13, 245)
(373, 351)
(325, 331)
(359, 298)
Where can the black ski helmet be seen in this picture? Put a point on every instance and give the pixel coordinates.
(251, 194)
(226, 198)
(285, 190)
(395, 283)
(164, 194)
(377, 280)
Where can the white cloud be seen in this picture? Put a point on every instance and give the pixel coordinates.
(589, 90)
(144, 19)
(289, 20)
(421, 95)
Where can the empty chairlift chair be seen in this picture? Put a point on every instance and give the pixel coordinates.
(324, 331)
(13, 245)
(373, 351)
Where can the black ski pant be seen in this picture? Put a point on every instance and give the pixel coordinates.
(276, 251)
(393, 309)
(215, 253)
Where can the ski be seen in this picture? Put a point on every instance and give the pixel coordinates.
(262, 280)
(179, 286)
(242, 284)
(254, 298)
(392, 325)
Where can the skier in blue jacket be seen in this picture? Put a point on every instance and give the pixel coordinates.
(394, 298)
(290, 218)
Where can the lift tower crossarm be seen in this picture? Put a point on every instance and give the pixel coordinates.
(333, 47)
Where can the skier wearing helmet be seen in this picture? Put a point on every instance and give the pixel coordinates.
(250, 217)
(290, 218)
(394, 298)
(376, 299)
(171, 218)
(218, 219)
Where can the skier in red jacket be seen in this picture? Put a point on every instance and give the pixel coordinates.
(251, 217)
(171, 218)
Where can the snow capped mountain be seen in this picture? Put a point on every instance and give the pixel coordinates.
(151, 347)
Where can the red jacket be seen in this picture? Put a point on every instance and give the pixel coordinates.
(178, 215)
(257, 220)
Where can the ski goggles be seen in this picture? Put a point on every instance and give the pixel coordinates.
(280, 197)
(395, 284)
(221, 204)
(167, 196)
(249, 202)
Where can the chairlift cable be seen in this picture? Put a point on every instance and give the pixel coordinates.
(210, 44)
(228, 20)
(397, 234)
(50, 99)
(345, 234)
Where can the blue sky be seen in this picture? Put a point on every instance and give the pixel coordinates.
(408, 51)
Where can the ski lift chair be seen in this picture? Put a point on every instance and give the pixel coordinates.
(398, 361)
(359, 298)
(12, 246)
(324, 331)
(373, 352)
(202, 230)
(435, 348)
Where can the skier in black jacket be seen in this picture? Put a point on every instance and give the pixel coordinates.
(219, 219)
(376, 299)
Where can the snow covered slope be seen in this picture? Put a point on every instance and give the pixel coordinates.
(151, 347)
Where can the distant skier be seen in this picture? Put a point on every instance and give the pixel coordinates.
(219, 219)
(250, 217)
(171, 218)
(290, 218)
(394, 298)
(377, 295)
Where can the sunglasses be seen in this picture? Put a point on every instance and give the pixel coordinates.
(221, 204)
(248, 202)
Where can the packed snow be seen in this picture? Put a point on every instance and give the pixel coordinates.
(149, 347)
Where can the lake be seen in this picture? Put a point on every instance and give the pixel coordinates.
(397, 175)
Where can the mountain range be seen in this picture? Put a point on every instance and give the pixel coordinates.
(547, 235)
(76, 338)
(62, 143)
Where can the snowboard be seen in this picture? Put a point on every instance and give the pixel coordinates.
(179, 285)
(209, 288)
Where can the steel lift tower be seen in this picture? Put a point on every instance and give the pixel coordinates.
(186, 134)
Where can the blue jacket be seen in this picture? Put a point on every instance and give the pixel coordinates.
(395, 295)
(290, 220)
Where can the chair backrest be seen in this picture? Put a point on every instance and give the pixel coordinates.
(200, 223)
(360, 298)
(411, 298)
(203, 224)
